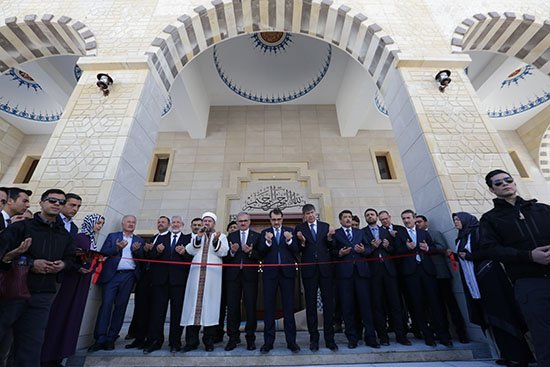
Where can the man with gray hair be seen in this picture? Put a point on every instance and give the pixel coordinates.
(168, 280)
(117, 280)
(241, 282)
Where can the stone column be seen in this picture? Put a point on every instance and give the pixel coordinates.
(446, 141)
(10, 139)
(102, 146)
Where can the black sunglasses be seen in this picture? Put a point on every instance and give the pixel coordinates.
(501, 181)
(55, 200)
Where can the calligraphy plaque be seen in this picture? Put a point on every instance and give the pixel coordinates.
(271, 197)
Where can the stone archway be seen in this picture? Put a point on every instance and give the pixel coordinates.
(525, 38)
(33, 38)
(353, 32)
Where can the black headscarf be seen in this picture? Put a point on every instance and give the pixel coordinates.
(470, 226)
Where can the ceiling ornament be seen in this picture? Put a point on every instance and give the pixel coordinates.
(23, 79)
(517, 75)
(167, 106)
(272, 41)
(514, 110)
(288, 66)
(28, 100)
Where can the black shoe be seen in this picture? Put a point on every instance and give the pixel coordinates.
(109, 346)
(352, 344)
(385, 342)
(266, 348)
(430, 342)
(332, 346)
(189, 348)
(463, 339)
(403, 340)
(314, 346)
(447, 343)
(250, 345)
(175, 349)
(294, 348)
(231, 345)
(139, 344)
(95, 347)
(209, 347)
(152, 347)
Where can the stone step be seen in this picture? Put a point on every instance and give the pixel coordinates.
(281, 356)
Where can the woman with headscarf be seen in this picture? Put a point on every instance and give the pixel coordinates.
(68, 307)
(489, 295)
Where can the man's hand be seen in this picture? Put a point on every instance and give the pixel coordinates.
(57, 266)
(385, 243)
(288, 235)
(160, 248)
(330, 233)
(344, 251)
(136, 246)
(301, 238)
(541, 255)
(234, 247)
(268, 237)
(84, 271)
(180, 249)
(423, 246)
(246, 248)
(121, 244)
(19, 250)
(411, 245)
(41, 266)
(148, 247)
(376, 243)
(359, 248)
(215, 236)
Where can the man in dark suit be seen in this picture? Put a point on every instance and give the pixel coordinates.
(241, 282)
(316, 246)
(384, 286)
(352, 273)
(445, 280)
(16, 204)
(143, 292)
(71, 208)
(117, 280)
(168, 283)
(278, 246)
(419, 273)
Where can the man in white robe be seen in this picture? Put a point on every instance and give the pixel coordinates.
(201, 306)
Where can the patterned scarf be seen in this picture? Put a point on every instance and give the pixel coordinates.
(88, 228)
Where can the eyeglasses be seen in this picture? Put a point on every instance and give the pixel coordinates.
(501, 181)
(55, 201)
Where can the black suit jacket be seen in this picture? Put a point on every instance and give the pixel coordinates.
(409, 264)
(318, 249)
(270, 255)
(249, 272)
(376, 265)
(173, 274)
(345, 265)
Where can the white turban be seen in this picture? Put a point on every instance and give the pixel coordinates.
(211, 215)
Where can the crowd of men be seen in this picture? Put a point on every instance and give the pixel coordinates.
(376, 278)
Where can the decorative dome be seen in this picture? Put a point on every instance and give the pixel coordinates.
(269, 67)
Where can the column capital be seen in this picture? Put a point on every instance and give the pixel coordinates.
(446, 61)
(107, 63)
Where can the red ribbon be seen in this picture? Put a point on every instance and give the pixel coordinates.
(454, 263)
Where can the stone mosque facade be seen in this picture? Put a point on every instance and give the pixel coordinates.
(231, 105)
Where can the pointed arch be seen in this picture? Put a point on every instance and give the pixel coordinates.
(33, 38)
(353, 32)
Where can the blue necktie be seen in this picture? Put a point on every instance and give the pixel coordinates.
(278, 237)
(350, 236)
(174, 240)
(375, 234)
(312, 226)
